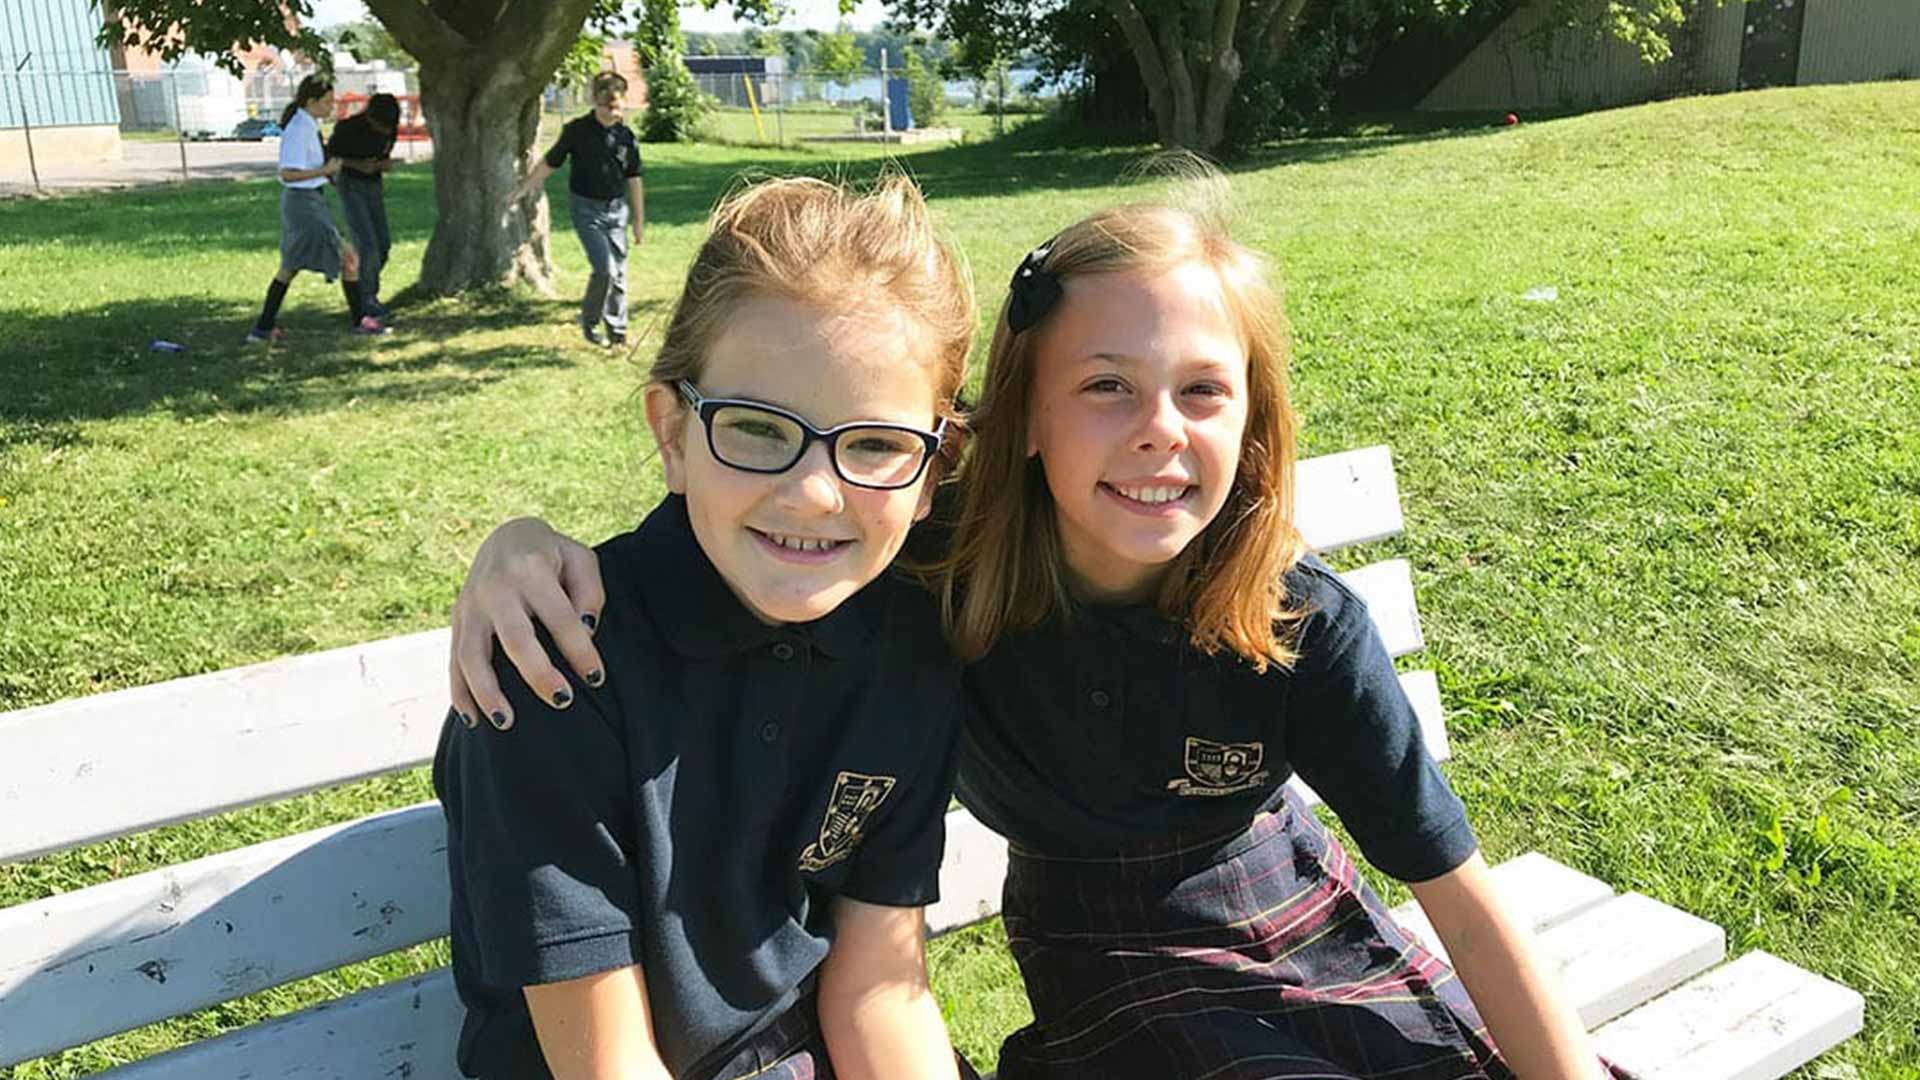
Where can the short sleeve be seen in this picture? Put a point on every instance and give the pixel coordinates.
(540, 838)
(557, 156)
(898, 864)
(1353, 736)
(294, 140)
(634, 165)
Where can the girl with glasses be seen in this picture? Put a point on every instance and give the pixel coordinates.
(717, 868)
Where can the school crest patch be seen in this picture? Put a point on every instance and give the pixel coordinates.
(1215, 768)
(855, 797)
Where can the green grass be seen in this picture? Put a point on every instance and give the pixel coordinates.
(1665, 529)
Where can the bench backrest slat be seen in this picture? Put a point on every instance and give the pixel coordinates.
(92, 768)
(92, 963)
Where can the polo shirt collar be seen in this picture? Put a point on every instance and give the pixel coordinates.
(706, 620)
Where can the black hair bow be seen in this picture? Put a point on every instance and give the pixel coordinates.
(1034, 290)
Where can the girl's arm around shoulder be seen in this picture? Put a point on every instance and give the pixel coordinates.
(877, 1010)
(597, 1027)
(524, 573)
(1526, 1011)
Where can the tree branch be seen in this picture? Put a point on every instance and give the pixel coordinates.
(1285, 18)
(534, 35)
(1147, 55)
(417, 28)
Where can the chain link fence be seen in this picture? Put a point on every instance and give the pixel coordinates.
(64, 130)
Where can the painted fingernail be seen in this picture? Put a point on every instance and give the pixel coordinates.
(591, 622)
(596, 677)
(501, 720)
(562, 698)
(467, 719)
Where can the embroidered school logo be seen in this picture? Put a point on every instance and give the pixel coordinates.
(1215, 768)
(855, 797)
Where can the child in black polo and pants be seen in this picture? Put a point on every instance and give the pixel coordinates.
(606, 199)
(713, 865)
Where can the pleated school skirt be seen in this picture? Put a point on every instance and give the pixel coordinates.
(308, 239)
(1260, 955)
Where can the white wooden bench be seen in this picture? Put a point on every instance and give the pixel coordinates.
(79, 967)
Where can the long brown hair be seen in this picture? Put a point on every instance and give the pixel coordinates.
(312, 88)
(1007, 570)
(830, 246)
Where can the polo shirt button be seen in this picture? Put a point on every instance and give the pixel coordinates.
(1100, 699)
(783, 651)
(769, 731)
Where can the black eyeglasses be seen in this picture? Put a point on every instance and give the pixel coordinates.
(759, 438)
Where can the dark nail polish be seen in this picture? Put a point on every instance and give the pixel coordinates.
(562, 698)
(468, 720)
(596, 677)
(591, 622)
(501, 720)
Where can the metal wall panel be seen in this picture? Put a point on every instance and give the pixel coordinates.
(68, 80)
(1860, 40)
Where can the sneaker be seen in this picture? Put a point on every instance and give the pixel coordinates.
(272, 337)
(616, 337)
(368, 326)
(592, 334)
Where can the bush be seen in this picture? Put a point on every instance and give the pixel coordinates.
(676, 109)
(926, 94)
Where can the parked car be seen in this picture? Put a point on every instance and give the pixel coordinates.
(255, 128)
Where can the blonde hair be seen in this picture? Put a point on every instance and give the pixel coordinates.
(827, 245)
(1007, 570)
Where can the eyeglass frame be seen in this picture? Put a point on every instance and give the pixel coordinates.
(705, 407)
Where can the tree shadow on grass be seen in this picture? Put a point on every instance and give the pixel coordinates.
(63, 370)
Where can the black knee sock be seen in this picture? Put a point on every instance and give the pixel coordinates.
(354, 307)
(270, 311)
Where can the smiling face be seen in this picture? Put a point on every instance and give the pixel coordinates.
(1139, 402)
(795, 545)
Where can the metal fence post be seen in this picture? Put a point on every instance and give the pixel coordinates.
(179, 126)
(26, 124)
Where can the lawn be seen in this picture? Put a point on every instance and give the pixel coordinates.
(1665, 528)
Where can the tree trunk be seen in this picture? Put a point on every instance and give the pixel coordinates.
(1146, 55)
(483, 65)
(481, 141)
(1223, 73)
(1173, 53)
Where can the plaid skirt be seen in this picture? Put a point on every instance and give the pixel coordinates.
(1261, 955)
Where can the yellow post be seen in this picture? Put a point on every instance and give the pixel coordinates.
(759, 128)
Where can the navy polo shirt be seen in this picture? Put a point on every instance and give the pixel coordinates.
(697, 813)
(604, 156)
(1087, 734)
(354, 138)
